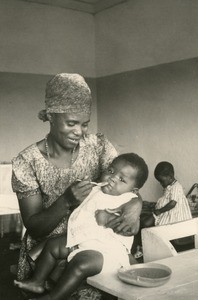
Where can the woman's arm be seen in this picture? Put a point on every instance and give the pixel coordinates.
(129, 221)
(40, 222)
(170, 205)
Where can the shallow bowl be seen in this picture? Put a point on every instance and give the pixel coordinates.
(146, 275)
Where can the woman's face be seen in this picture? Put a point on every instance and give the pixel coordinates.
(67, 129)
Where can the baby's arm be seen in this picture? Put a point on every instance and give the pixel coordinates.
(170, 205)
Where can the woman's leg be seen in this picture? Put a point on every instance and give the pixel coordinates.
(83, 264)
(53, 251)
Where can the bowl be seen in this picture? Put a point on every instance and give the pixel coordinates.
(146, 275)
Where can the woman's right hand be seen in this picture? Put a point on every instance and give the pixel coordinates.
(81, 190)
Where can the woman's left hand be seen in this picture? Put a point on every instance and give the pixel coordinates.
(128, 223)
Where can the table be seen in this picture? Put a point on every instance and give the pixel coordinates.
(183, 284)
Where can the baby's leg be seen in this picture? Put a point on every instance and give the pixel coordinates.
(54, 249)
(83, 264)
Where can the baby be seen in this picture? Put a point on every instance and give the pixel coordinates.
(90, 247)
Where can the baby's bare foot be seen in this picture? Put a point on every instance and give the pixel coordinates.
(30, 286)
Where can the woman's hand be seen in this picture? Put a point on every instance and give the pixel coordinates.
(128, 223)
(80, 190)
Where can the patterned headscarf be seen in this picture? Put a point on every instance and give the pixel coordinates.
(66, 93)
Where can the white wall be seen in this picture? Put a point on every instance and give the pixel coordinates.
(144, 33)
(40, 39)
(144, 109)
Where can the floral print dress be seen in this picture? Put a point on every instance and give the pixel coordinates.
(34, 174)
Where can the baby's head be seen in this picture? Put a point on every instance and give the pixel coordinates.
(164, 173)
(128, 172)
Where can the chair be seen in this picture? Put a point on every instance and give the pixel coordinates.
(156, 240)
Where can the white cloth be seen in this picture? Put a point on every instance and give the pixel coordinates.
(180, 212)
(84, 231)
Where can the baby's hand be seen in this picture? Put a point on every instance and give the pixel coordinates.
(103, 217)
(157, 212)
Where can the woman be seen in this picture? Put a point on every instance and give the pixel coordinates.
(45, 175)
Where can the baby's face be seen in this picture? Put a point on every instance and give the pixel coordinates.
(121, 178)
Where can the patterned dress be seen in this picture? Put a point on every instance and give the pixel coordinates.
(34, 174)
(180, 212)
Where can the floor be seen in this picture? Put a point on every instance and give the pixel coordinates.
(7, 259)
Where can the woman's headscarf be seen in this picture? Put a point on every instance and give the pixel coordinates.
(66, 93)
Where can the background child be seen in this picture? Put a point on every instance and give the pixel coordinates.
(172, 207)
(92, 248)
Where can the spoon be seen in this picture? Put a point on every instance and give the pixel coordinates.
(95, 183)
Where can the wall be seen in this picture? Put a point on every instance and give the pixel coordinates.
(143, 33)
(40, 39)
(153, 112)
(146, 109)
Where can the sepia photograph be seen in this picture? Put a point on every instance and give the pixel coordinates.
(99, 149)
